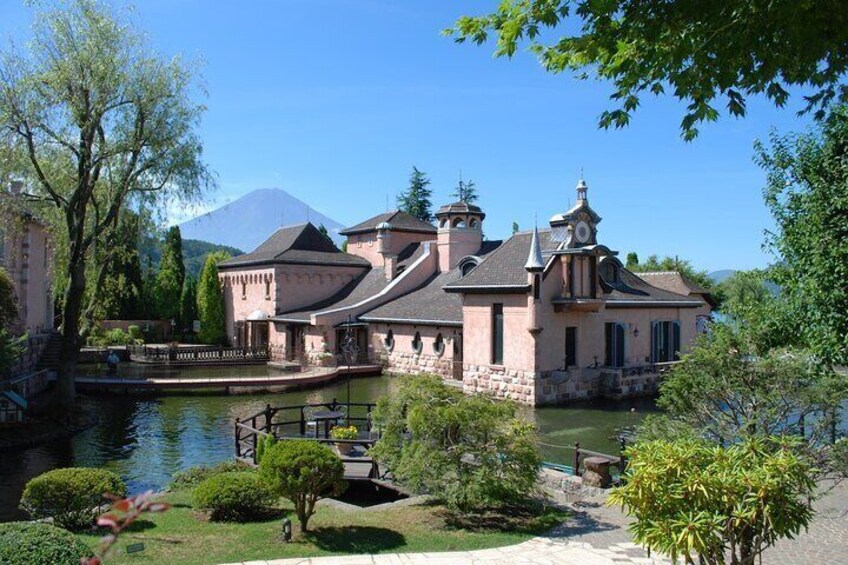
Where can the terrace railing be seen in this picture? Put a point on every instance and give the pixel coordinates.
(192, 355)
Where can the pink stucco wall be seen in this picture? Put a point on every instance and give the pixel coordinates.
(27, 256)
(366, 245)
(402, 358)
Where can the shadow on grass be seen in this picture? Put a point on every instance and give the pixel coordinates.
(139, 526)
(530, 518)
(355, 539)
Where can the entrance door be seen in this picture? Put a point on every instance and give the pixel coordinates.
(457, 357)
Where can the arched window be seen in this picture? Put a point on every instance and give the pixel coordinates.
(468, 267)
(473, 223)
(444, 223)
(417, 343)
(389, 340)
(459, 223)
(439, 345)
(267, 289)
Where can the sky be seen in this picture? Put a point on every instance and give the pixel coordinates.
(336, 100)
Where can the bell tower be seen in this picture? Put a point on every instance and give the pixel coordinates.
(460, 233)
(578, 227)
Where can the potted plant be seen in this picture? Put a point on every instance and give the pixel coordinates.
(344, 432)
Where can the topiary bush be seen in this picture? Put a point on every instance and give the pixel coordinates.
(234, 497)
(71, 496)
(36, 543)
(193, 476)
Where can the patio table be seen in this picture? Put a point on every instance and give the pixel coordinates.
(327, 416)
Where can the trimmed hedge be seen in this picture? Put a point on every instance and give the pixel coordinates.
(193, 476)
(234, 497)
(71, 496)
(34, 543)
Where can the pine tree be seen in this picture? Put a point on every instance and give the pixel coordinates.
(188, 303)
(465, 192)
(323, 229)
(514, 228)
(169, 281)
(416, 199)
(210, 302)
(632, 260)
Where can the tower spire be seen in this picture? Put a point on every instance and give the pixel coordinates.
(534, 258)
(582, 188)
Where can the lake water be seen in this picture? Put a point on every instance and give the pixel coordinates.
(147, 439)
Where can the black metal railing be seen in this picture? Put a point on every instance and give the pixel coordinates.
(192, 355)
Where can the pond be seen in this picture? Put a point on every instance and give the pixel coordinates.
(147, 439)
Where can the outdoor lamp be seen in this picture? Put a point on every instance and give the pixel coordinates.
(636, 331)
(286, 529)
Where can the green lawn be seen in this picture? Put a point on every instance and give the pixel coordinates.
(183, 535)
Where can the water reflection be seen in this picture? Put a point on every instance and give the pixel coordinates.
(147, 439)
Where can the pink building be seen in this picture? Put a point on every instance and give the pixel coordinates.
(543, 317)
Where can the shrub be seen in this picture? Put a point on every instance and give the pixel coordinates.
(71, 496)
(34, 543)
(114, 337)
(342, 432)
(263, 444)
(135, 334)
(235, 496)
(303, 472)
(193, 476)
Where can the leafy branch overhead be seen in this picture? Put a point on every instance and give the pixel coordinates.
(706, 54)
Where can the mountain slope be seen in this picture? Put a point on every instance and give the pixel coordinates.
(195, 252)
(246, 222)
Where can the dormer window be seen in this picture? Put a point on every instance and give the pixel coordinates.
(468, 264)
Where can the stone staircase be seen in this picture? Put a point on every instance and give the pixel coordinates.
(50, 356)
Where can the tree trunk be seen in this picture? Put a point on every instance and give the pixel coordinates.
(65, 392)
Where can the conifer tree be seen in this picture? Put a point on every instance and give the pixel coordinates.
(188, 302)
(210, 301)
(416, 199)
(169, 281)
(466, 191)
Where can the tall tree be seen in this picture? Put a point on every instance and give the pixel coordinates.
(632, 260)
(9, 316)
(97, 122)
(465, 191)
(705, 53)
(188, 302)
(120, 295)
(807, 194)
(210, 301)
(415, 200)
(169, 280)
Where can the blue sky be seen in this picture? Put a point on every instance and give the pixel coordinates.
(335, 101)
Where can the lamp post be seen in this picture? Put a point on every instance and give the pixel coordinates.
(350, 349)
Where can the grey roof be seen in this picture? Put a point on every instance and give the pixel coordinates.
(365, 286)
(632, 290)
(428, 304)
(400, 221)
(302, 243)
(460, 208)
(674, 281)
(409, 255)
(503, 268)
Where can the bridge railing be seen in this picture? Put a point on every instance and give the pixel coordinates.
(191, 355)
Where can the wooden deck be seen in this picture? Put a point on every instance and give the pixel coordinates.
(312, 377)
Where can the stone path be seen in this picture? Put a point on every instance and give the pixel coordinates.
(596, 535)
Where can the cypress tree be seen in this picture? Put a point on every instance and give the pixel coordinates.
(210, 302)
(416, 199)
(169, 281)
(466, 192)
(188, 302)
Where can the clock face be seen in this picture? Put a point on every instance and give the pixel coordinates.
(582, 232)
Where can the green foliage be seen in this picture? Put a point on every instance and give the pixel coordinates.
(188, 303)
(704, 54)
(727, 391)
(632, 261)
(701, 502)
(514, 228)
(323, 229)
(303, 472)
(210, 302)
(416, 199)
(343, 432)
(114, 337)
(34, 543)
(95, 122)
(193, 476)
(71, 496)
(135, 334)
(8, 303)
(683, 266)
(465, 192)
(11, 349)
(195, 252)
(807, 194)
(234, 496)
(169, 280)
(469, 451)
(265, 442)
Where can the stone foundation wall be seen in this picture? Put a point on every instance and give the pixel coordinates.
(414, 363)
(557, 387)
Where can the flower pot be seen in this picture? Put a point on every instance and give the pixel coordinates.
(344, 448)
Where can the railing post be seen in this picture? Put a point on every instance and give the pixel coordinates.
(334, 404)
(302, 423)
(622, 460)
(268, 419)
(577, 458)
(238, 442)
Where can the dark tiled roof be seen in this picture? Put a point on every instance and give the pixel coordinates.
(409, 255)
(365, 286)
(400, 221)
(302, 243)
(673, 281)
(504, 266)
(459, 208)
(428, 304)
(634, 289)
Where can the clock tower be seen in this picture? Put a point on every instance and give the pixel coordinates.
(578, 226)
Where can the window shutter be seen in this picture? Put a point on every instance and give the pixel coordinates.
(619, 345)
(655, 341)
(675, 341)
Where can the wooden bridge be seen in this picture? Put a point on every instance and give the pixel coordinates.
(290, 422)
(313, 377)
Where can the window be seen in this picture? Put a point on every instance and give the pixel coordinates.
(267, 290)
(243, 290)
(417, 343)
(570, 346)
(665, 341)
(614, 344)
(443, 223)
(389, 341)
(459, 223)
(537, 287)
(473, 223)
(497, 334)
(439, 345)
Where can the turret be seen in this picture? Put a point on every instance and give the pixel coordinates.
(460, 233)
(535, 266)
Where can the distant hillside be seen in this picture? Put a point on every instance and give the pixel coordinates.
(720, 276)
(195, 252)
(246, 222)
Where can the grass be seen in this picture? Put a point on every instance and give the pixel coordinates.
(183, 535)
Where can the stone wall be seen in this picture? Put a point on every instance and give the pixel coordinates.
(28, 360)
(414, 363)
(512, 384)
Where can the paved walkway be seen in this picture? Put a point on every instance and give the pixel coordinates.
(596, 535)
